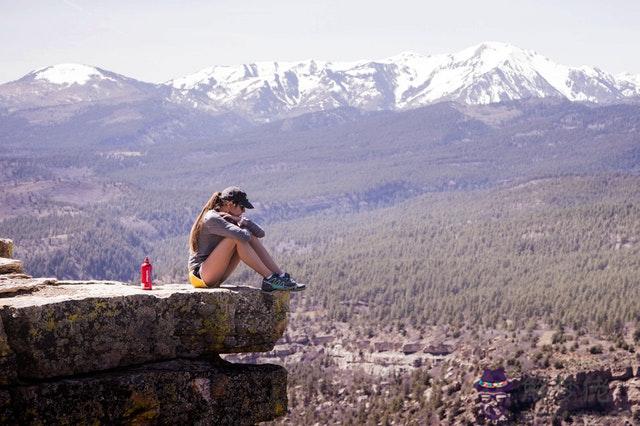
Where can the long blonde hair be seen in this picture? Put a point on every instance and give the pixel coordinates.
(214, 203)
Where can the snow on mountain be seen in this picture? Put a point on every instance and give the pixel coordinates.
(628, 84)
(67, 74)
(494, 72)
(269, 85)
(486, 73)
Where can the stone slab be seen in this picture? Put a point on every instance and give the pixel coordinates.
(173, 392)
(14, 275)
(86, 282)
(15, 283)
(8, 266)
(63, 330)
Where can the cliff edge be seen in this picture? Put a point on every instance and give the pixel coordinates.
(107, 352)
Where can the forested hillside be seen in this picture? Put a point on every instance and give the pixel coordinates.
(563, 250)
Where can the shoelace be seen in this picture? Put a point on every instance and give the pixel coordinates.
(287, 276)
(286, 283)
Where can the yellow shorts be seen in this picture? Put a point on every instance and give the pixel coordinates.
(195, 281)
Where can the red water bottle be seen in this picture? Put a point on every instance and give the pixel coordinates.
(145, 274)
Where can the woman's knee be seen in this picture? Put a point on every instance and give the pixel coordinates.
(227, 243)
(243, 244)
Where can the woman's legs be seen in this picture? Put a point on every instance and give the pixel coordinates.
(233, 264)
(220, 263)
(264, 255)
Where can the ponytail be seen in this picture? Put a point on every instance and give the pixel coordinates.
(214, 203)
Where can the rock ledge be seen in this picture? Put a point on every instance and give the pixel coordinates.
(63, 330)
(104, 352)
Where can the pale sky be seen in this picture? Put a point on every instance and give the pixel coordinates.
(155, 40)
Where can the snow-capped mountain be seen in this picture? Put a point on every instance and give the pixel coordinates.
(629, 84)
(265, 91)
(486, 73)
(71, 84)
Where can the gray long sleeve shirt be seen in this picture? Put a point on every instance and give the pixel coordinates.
(214, 229)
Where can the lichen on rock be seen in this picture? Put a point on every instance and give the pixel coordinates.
(207, 392)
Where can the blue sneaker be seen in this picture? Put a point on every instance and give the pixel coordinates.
(277, 283)
(299, 287)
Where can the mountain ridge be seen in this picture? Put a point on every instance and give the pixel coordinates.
(489, 72)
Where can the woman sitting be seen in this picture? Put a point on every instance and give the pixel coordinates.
(221, 237)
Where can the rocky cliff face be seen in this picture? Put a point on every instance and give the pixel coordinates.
(108, 352)
(599, 394)
(591, 391)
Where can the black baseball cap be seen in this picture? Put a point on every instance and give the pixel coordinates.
(237, 195)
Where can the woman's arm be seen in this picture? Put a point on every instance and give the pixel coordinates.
(253, 227)
(245, 223)
(215, 224)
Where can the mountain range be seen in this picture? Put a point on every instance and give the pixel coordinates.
(487, 73)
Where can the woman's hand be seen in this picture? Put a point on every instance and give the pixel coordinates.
(230, 218)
